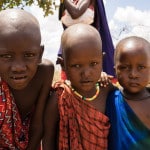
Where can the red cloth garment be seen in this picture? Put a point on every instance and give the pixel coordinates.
(81, 127)
(13, 131)
(63, 75)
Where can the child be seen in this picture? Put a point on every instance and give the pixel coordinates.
(25, 81)
(78, 121)
(128, 109)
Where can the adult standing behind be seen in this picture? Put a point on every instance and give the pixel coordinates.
(78, 7)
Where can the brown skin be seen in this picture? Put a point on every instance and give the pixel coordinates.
(132, 65)
(29, 79)
(82, 62)
(76, 10)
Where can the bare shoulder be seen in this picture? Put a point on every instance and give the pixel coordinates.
(46, 64)
(46, 69)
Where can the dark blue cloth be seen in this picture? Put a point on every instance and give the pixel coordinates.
(127, 132)
(107, 44)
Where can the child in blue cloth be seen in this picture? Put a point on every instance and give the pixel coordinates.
(128, 108)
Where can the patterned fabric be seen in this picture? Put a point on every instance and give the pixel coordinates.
(13, 132)
(82, 127)
(127, 132)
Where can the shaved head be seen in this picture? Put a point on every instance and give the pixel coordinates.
(13, 21)
(132, 44)
(80, 34)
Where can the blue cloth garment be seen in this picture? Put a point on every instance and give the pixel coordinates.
(127, 132)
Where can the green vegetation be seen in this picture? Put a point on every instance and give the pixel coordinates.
(46, 5)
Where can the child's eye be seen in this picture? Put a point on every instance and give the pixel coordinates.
(6, 56)
(141, 67)
(28, 55)
(76, 66)
(94, 63)
(124, 67)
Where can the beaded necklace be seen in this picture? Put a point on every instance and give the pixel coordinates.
(85, 98)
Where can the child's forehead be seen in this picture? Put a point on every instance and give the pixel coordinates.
(133, 52)
(82, 57)
(133, 57)
(16, 39)
(136, 46)
(17, 29)
(15, 36)
(15, 19)
(82, 48)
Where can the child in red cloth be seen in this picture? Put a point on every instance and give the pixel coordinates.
(25, 81)
(74, 117)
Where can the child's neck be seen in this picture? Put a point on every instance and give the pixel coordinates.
(142, 95)
(97, 87)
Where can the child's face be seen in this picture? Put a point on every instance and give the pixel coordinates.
(19, 58)
(83, 67)
(133, 68)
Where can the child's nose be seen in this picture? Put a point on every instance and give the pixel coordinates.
(86, 72)
(133, 73)
(18, 66)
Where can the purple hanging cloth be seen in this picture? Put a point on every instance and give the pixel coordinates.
(107, 44)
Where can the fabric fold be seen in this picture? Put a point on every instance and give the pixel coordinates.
(13, 131)
(127, 132)
(81, 126)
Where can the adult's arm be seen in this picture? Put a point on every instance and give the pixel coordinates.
(76, 10)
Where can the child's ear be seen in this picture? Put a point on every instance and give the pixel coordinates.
(41, 53)
(61, 62)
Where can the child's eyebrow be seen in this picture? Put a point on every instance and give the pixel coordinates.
(5, 50)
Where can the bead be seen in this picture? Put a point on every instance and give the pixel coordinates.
(85, 98)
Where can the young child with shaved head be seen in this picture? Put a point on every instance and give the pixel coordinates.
(128, 108)
(78, 104)
(25, 81)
